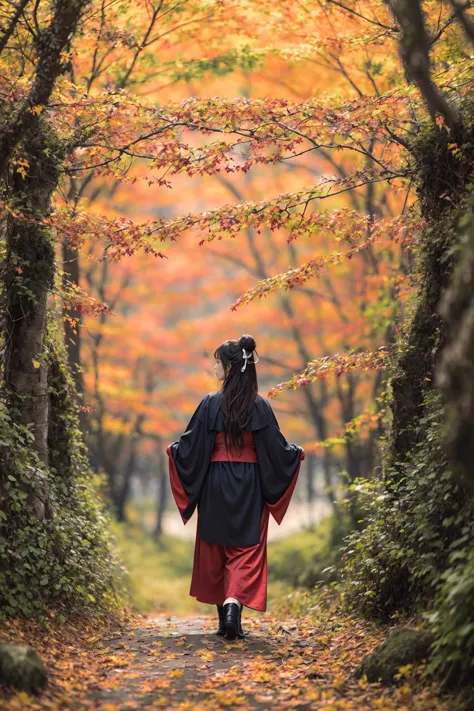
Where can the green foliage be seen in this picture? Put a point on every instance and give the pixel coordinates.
(308, 557)
(245, 58)
(414, 552)
(453, 620)
(63, 560)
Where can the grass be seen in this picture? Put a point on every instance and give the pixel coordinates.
(158, 575)
(301, 558)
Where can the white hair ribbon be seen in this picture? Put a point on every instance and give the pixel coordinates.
(246, 356)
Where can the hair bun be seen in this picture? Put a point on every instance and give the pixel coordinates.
(247, 342)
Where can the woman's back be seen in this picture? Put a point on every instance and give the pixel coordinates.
(222, 453)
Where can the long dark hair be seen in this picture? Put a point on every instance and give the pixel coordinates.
(239, 389)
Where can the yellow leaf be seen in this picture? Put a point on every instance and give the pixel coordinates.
(261, 676)
(36, 109)
(36, 364)
(22, 696)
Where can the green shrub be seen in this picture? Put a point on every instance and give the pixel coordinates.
(415, 553)
(453, 621)
(411, 529)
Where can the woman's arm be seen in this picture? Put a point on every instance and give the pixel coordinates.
(189, 459)
(279, 464)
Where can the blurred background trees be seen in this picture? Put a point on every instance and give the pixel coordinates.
(180, 316)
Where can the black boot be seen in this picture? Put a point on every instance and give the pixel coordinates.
(221, 628)
(232, 621)
(241, 633)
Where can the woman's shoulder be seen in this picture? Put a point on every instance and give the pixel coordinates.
(261, 403)
(211, 400)
(214, 395)
(262, 414)
(209, 406)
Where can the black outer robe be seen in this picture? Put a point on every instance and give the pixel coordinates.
(230, 496)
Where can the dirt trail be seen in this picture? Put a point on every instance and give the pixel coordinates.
(174, 663)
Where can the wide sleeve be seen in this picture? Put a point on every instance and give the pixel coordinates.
(189, 460)
(279, 465)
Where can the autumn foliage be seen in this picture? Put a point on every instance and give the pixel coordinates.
(313, 155)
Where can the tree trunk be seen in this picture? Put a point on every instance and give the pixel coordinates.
(30, 260)
(456, 373)
(442, 181)
(29, 275)
(62, 429)
(72, 331)
(414, 371)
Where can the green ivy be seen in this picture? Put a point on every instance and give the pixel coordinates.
(65, 560)
(453, 618)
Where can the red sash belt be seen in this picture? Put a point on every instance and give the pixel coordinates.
(221, 454)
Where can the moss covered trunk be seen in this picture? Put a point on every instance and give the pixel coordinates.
(29, 276)
(72, 323)
(456, 372)
(415, 368)
(443, 177)
(62, 421)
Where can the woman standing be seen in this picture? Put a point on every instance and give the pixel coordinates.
(234, 464)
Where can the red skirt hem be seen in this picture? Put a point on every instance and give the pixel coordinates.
(221, 601)
(220, 572)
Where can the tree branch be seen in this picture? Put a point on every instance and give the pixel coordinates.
(414, 51)
(7, 33)
(362, 17)
(52, 42)
(465, 20)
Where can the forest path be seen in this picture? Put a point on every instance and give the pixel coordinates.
(179, 663)
(176, 663)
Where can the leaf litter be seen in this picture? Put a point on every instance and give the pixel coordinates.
(157, 662)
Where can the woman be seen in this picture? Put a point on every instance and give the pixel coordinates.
(234, 464)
